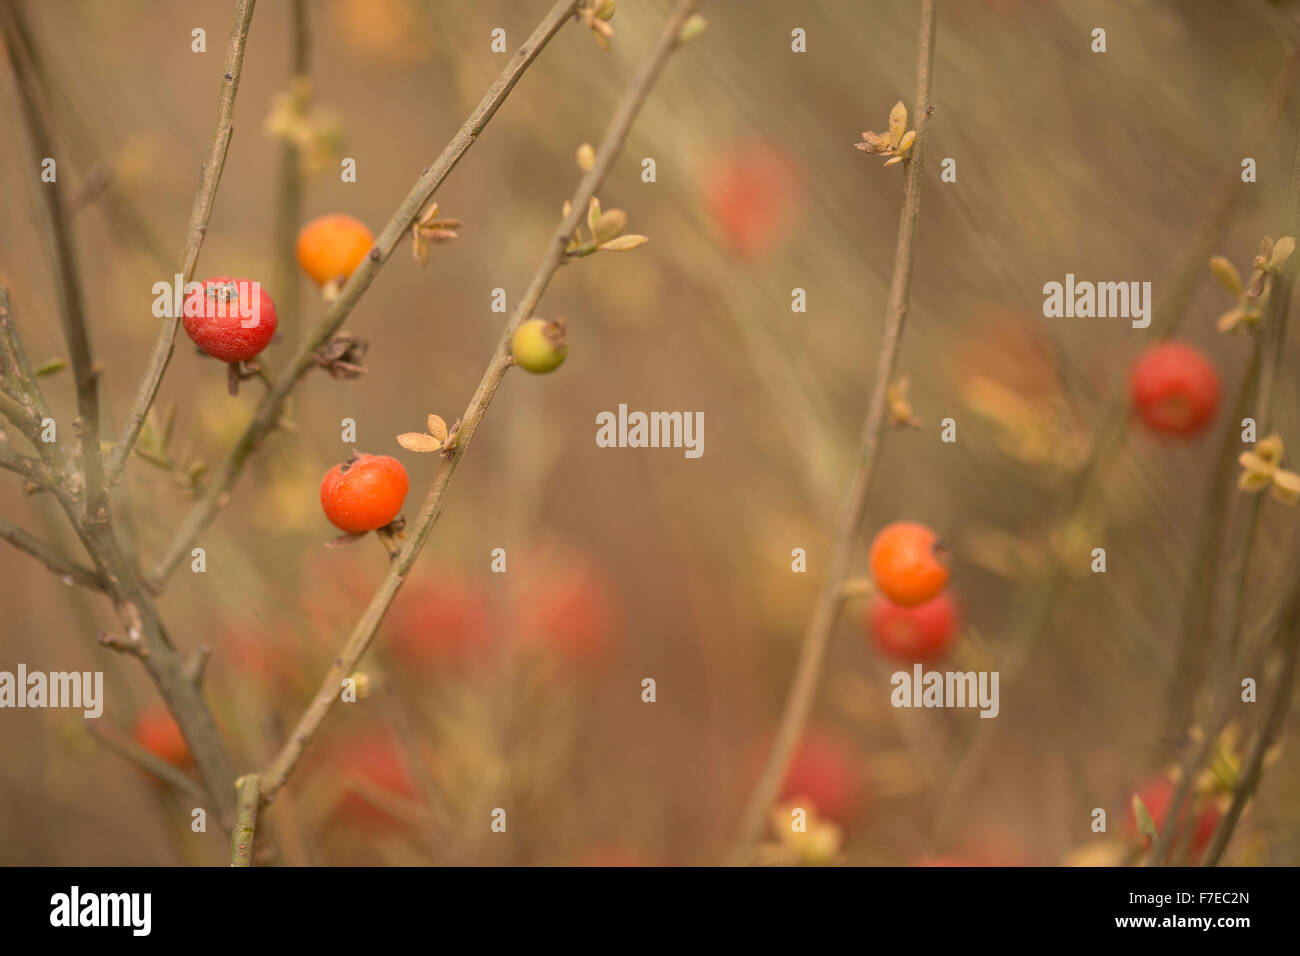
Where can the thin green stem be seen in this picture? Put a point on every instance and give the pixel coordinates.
(241, 836)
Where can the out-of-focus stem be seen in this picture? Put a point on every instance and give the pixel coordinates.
(1030, 619)
(289, 189)
(826, 612)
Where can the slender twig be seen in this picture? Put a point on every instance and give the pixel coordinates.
(64, 259)
(269, 410)
(115, 643)
(1034, 608)
(289, 188)
(155, 766)
(395, 715)
(1272, 348)
(364, 630)
(209, 180)
(16, 368)
(1280, 617)
(821, 624)
(1198, 606)
(197, 663)
(66, 568)
(1252, 767)
(1244, 514)
(241, 837)
(15, 461)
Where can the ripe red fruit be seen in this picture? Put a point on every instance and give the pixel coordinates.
(259, 656)
(1158, 793)
(439, 623)
(823, 772)
(921, 633)
(365, 493)
(156, 731)
(751, 194)
(373, 762)
(1174, 388)
(230, 319)
(908, 564)
(566, 611)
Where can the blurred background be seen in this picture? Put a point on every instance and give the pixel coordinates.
(522, 690)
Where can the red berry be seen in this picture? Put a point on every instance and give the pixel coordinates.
(921, 633)
(908, 564)
(751, 194)
(371, 762)
(823, 771)
(259, 657)
(230, 319)
(439, 623)
(365, 493)
(1174, 388)
(1158, 793)
(156, 731)
(564, 609)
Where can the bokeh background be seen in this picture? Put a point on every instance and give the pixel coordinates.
(523, 690)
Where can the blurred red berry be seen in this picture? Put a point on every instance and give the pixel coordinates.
(921, 633)
(438, 623)
(156, 731)
(1174, 388)
(230, 319)
(374, 761)
(259, 657)
(566, 610)
(1158, 793)
(751, 194)
(824, 772)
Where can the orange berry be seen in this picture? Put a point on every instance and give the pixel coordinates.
(908, 564)
(331, 247)
(364, 494)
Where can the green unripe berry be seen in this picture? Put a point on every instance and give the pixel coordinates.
(538, 345)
